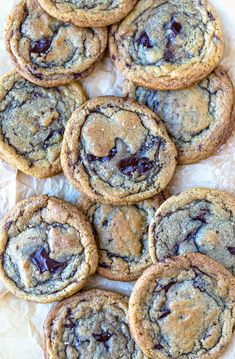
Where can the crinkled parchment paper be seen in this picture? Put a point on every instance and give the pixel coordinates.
(21, 322)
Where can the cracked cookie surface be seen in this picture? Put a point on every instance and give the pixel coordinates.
(183, 308)
(117, 151)
(198, 119)
(88, 13)
(167, 44)
(47, 51)
(32, 123)
(90, 325)
(198, 220)
(121, 234)
(47, 249)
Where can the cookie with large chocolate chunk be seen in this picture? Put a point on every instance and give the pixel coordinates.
(32, 123)
(198, 119)
(167, 44)
(92, 324)
(47, 51)
(198, 220)
(117, 151)
(88, 13)
(183, 308)
(47, 249)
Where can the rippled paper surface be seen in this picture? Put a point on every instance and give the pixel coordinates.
(21, 322)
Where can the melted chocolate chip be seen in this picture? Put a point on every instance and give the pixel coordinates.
(176, 27)
(92, 158)
(44, 263)
(144, 40)
(104, 265)
(211, 17)
(69, 312)
(40, 46)
(231, 250)
(105, 223)
(139, 162)
(201, 217)
(132, 164)
(113, 57)
(164, 314)
(104, 337)
(158, 347)
(77, 76)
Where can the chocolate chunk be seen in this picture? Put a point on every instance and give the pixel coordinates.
(144, 40)
(44, 263)
(211, 17)
(132, 164)
(231, 250)
(77, 76)
(105, 223)
(104, 337)
(158, 347)
(176, 27)
(164, 314)
(40, 46)
(201, 217)
(92, 158)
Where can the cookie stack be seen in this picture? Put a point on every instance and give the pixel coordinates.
(120, 153)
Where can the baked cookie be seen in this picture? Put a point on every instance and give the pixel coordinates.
(47, 51)
(47, 249)
(117, 152)
(183, 308)
(167, 44)
(198, 119)
(92, 324)
(121, 234)
(88, 13)
(198, 220)
(32, 123)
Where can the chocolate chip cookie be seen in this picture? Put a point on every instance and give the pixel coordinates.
(167, 44)
(92, 324)
(198, 220)
(198, 119)
(117, 151)
(47, 249)
(121, 234)
(32, 123)
(47, 51)
(183, 308)
(88, 13)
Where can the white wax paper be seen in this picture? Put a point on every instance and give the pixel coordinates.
(20, 321)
